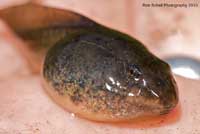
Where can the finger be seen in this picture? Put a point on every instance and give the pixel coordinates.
(11, 62)
(120, 15)
(7, 3)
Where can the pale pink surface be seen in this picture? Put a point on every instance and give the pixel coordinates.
(25, 108)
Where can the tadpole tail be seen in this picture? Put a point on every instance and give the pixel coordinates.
(41, 27)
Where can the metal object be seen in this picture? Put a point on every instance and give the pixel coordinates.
(185, 66)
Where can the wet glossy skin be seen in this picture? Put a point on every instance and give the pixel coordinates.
(109, 76)
(101, 74)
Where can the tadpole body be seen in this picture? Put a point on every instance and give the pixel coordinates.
(108, 76)
(91, 70)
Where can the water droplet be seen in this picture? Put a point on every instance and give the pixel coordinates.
(118, 84)
(72, 115)
(155, 94)
(131, 94)
(144, 82)
(108, 87)
(112, 80)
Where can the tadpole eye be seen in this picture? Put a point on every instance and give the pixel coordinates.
(134, 71)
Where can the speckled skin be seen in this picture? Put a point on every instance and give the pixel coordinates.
(108, 73)
(93, 71)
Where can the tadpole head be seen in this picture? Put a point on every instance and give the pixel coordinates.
(157, 85)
